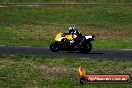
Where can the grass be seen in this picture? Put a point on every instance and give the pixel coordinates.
(57, 72)
(62, 1)
(38, 26)
(117, 17)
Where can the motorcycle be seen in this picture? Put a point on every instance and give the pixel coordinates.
(65, 42)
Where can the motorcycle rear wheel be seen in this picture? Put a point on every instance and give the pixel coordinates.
(86, 48)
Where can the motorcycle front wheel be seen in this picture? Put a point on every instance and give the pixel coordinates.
(55, 47)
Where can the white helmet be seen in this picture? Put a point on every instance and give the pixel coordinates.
(73, 27)
(70, 28)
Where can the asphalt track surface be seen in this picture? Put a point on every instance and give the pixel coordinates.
(44, 51)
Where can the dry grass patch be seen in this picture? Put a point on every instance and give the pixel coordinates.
(107, 33)
(129, 70)
(45, 32)
(49, 69)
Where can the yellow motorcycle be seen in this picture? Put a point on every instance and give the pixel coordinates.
(66, 42)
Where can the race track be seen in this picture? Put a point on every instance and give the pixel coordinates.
(95, 53)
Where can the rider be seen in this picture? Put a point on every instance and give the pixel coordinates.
(76, 34)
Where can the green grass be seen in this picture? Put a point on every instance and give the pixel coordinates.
(62, 1)
(38, 26)
(57, 72)
(113, 43)
(117, 17)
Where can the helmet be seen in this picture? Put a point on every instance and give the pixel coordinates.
(72, 30)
